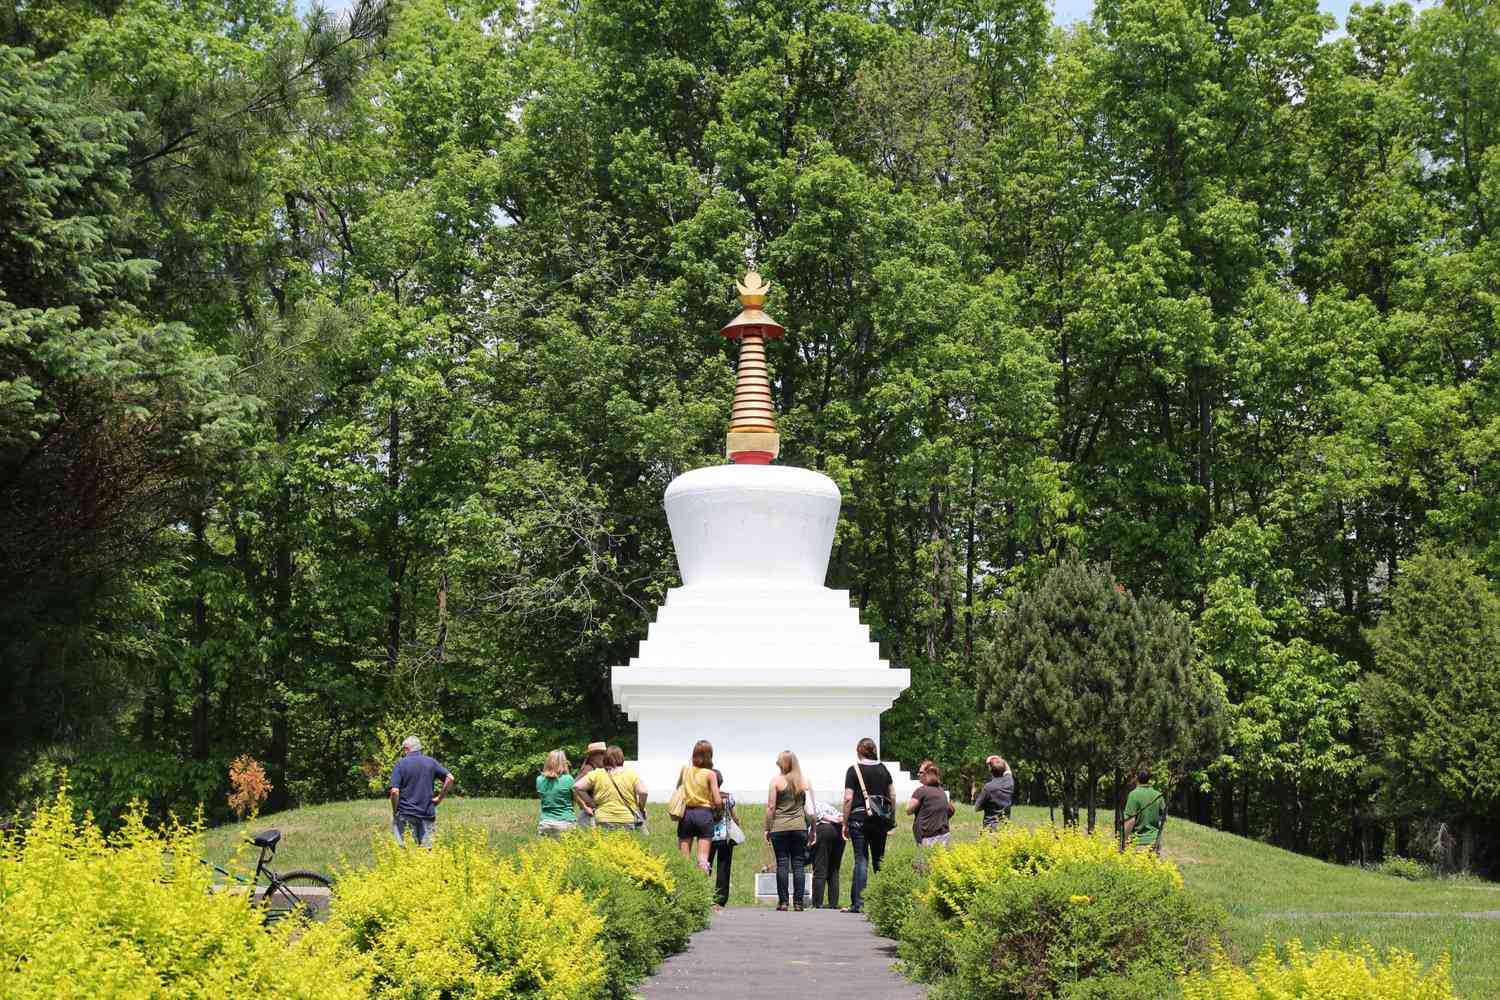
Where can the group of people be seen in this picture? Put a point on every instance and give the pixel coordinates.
(799, 826)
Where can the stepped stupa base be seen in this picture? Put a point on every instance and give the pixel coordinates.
(751, 714)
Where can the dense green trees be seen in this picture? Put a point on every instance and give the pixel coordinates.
(1198, 290)
(107, 413)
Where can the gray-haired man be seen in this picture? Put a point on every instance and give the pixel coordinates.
(413, 805)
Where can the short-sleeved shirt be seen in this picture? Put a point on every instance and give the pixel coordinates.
(557, 797)
(932, 812)
(414, 775)
(878, 781)
(1147, 807)
(610, 805)
(695, 784)
(996, 796)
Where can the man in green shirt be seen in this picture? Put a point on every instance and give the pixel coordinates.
(1145, 812)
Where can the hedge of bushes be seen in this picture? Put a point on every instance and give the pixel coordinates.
(1025, 914)
(590, 915)
(133, 915)
(130, 916)
(1329, 973)
(1029, 914)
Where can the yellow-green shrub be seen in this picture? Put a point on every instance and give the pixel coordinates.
(462, 922)
(649, 910)
(1329, 973)
(957, 874)
(132, 915)
(622, 853)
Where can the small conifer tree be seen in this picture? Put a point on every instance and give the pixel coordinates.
(1086, 679)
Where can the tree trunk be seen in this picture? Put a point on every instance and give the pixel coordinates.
(1285, 819)
(934, 539)
(969, 565)
(200, 636)
(1119, 779)
(281, 631)
(1091, 793)
(395, 565)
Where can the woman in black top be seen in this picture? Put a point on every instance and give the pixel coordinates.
(868, 833)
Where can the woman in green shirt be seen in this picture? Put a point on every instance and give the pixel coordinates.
(554, 786)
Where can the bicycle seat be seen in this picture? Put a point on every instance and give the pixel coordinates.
(266, 838)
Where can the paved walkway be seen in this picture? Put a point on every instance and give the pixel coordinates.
(755, 952)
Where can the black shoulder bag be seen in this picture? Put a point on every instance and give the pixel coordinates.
(876, 806)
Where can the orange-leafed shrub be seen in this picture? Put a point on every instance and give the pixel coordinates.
(248, 785)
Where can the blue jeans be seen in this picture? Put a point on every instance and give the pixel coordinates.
(421, 830)
(791, 850)
(869, 849)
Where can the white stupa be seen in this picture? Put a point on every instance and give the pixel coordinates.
(753, 653)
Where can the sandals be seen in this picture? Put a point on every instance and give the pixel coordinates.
(780, 907)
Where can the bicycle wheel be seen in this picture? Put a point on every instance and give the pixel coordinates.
(301, 894)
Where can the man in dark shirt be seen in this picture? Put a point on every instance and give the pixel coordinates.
(998, 793)
(413, 805)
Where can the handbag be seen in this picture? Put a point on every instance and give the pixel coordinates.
(726, 830)
(677, 807)
(876, 806)
(640, 818)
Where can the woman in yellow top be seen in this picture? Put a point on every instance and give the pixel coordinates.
(786, 826)
(613, 795)
(700, 786)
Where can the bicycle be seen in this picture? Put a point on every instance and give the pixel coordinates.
(301, 893)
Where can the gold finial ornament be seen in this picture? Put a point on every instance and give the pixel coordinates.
(753, 290)
(752, 438)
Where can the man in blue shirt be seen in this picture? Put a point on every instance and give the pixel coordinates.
(413, 805)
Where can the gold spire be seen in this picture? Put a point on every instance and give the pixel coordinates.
(752, 438)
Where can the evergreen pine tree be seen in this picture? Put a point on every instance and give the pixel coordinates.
(1084, 679)
(1432, 702)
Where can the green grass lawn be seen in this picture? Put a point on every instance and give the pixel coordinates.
(1266, 892)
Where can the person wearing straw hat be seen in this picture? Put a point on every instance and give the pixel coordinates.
(593, 757)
